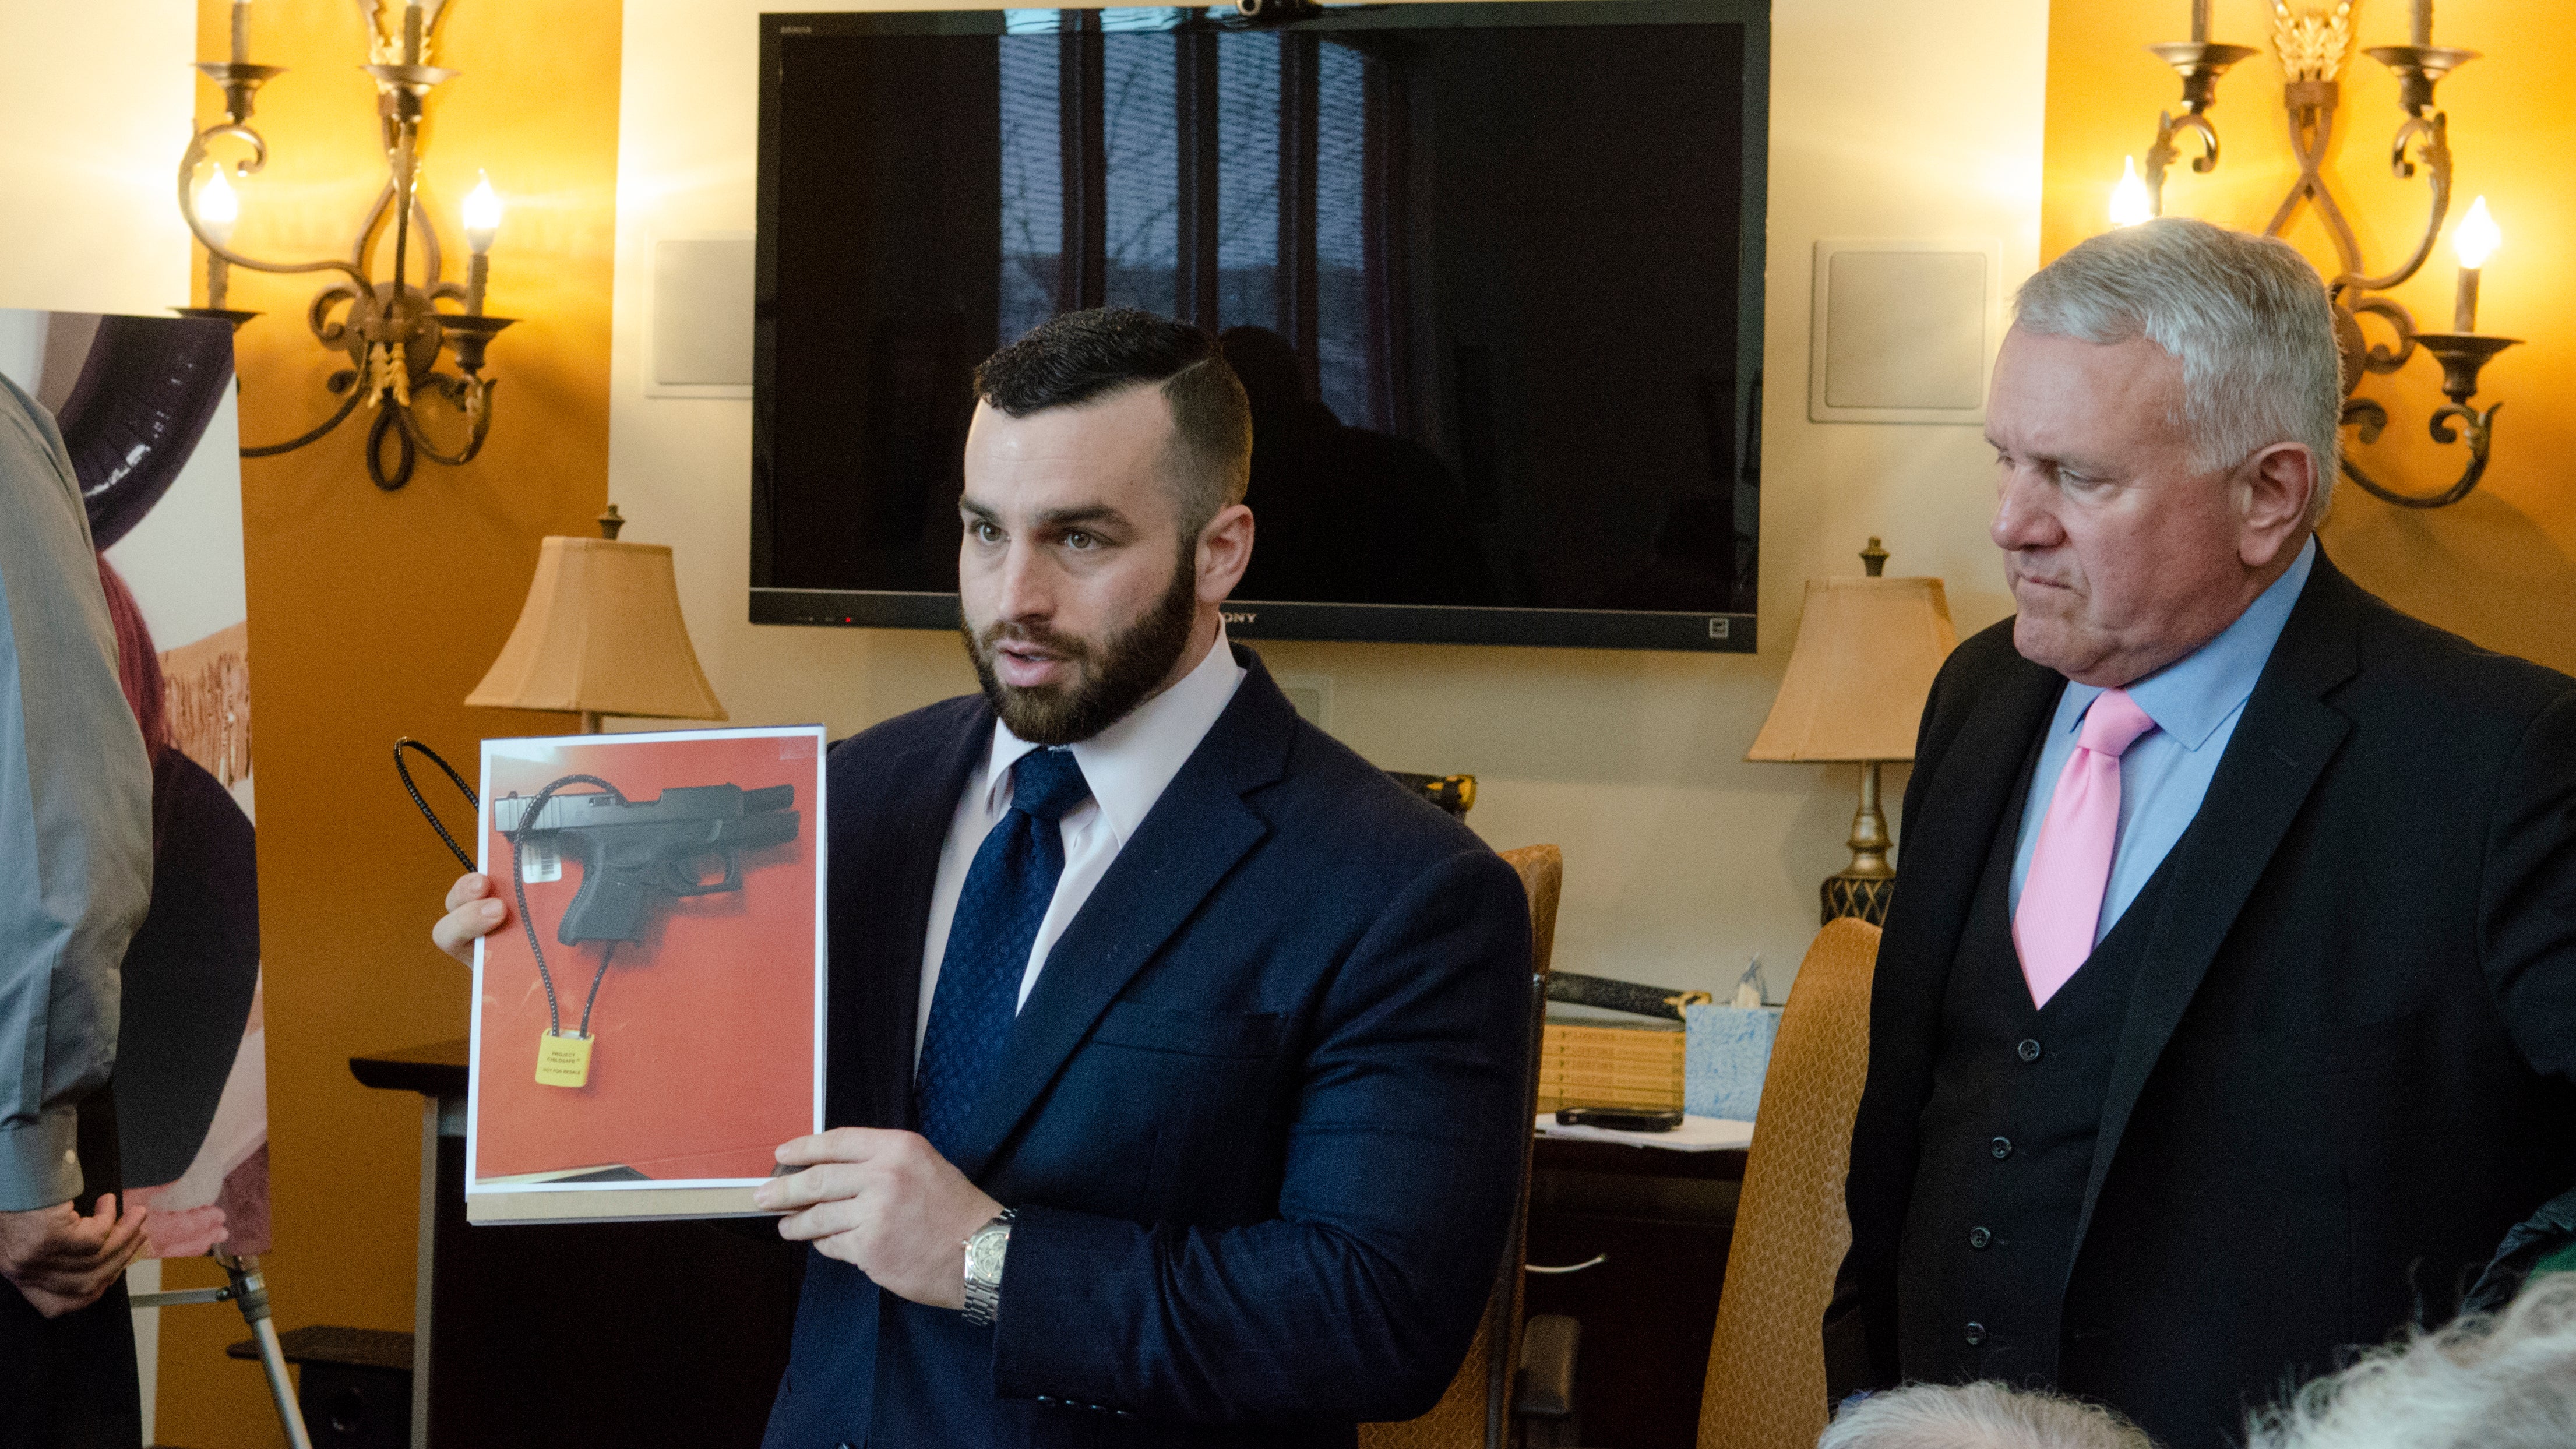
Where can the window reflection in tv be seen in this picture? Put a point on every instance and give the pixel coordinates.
(1488, 273)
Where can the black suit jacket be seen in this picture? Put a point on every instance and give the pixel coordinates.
(1261, 1115)
(2347, 1061)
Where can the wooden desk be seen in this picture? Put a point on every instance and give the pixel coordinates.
(581, 1334)
(1662, 1222)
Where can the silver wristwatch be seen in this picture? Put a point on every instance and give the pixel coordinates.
(984, 1252)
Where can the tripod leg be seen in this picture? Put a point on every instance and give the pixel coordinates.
(250, 1293)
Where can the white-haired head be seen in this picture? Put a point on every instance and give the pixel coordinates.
(1978, 1416)
(2246, 316)
(2507, 1382)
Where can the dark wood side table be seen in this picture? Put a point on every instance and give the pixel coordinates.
(1660, 1222)
(581, 1334)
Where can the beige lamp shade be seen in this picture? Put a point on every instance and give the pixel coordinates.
(601, 633)
(1867, 652)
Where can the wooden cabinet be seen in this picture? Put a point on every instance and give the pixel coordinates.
(1661, 1222)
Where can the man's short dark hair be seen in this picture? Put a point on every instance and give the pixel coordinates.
(1083, 356)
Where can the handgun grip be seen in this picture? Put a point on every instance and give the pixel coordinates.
(610, 906)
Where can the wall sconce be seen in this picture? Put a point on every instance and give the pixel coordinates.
(392, 330)
(2313, 45)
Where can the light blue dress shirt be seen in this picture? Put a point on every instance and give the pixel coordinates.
(2195, 702)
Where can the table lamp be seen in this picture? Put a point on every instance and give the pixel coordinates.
(1866, 654)
(601, 634)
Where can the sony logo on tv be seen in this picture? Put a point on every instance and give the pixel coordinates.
(1232, 617)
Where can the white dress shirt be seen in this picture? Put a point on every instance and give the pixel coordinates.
(1127, 765)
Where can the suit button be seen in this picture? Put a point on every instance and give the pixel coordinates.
(1979, 1237)
(1976, 1334)
(2029, 1049)
(2002, 1148)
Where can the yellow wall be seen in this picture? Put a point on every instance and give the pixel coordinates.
(2495, 567)
(372, 614)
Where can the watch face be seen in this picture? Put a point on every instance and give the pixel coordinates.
(984, 1253)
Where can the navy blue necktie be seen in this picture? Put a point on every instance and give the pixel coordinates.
(1006, 896)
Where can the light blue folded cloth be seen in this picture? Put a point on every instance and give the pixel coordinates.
(1728, 1051)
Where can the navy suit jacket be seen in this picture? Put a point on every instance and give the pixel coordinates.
(1261, 1116)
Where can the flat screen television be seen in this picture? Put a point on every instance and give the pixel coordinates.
(1491, 274)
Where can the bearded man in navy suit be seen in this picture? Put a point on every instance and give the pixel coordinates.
(1177, 1056)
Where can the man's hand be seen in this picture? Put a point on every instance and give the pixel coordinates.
(473, 911)
(63, 1261)
(885, 1203)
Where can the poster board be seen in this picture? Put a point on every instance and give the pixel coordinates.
(649, 1028)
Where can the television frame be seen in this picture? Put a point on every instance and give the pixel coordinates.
(1257, 619)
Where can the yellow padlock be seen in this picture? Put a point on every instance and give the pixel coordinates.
(563, 1061)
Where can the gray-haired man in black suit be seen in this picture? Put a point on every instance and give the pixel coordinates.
(2227, 1014)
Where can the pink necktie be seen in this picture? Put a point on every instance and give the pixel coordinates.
(2061, 898)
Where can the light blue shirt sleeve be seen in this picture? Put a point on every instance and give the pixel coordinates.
(2195, 702)
(75, 814)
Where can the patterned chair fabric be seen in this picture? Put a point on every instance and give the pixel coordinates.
(1766, 1359)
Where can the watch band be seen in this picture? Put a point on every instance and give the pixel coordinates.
(985, 1249)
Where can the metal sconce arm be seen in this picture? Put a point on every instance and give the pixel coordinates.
(2312, 46)
(393, 331)
(2200, 66)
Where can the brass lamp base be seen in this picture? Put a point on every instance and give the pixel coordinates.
(1864, 887)
(1862, 896)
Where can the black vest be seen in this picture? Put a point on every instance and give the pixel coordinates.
(2006, 1140)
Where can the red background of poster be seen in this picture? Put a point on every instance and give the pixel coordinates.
(703, 1059)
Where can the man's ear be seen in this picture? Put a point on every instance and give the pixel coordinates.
(1224, 552)
(2278, 483)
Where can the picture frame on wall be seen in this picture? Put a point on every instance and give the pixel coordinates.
(648, 1020)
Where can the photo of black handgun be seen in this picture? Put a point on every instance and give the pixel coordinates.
(632, 850)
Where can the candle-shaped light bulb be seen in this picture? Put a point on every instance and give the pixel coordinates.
(2473, 240)
(2419, 29)
(241, 32)
(2200, 22)
(2476, 237)
(482, 215)
(2130, 203)
(218, 207)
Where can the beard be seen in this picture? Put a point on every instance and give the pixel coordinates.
(1110, 676)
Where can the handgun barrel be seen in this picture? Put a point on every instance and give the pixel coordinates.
(770, 827)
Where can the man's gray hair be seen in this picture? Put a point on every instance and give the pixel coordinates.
(2246, 315)
(1978, 1416)
(2483, 1383)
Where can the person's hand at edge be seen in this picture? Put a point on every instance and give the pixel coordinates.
(884, 1202)
(63, 1261)
(473, 911)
